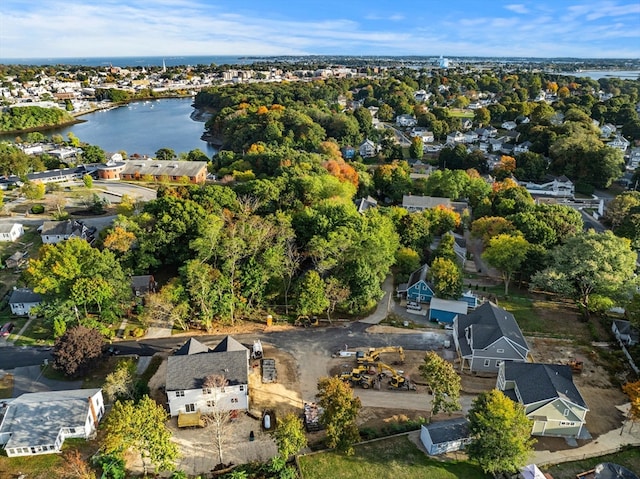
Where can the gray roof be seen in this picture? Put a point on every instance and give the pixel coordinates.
(488, 324)
(416, 201)
(229, 344)
(447, 431)
(36, 418)
(162, 167)
(624, 327)
(24, 295)
(538, 382)
(7, 227)
(418, 275)
(189, 371)
(192, 346)
(57, 228)
(609, 470)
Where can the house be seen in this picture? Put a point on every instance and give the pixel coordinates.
(455, 137)
(163, 170)
(634, 159)
(509, 125)
(467, 124)
(531, 471)
(413, 203)
(608, 470)
(522, 147)
(469, 298)
(619, 142)
(348, 152)
(406, 120)
(625, 333)
(53, 232)
(470, 137)
(11, 231)
(561, 187)
(189, 367)
(368, 149)
(446, 310)
(421, 132)
(487, 337)
(445, 436)
(39, 423)
(549, 396)
(22, 300)
(607, 130)
(417, 288)
(363, 204)
(143, 284)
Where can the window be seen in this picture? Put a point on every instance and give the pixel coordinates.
(487, 363)
(211, 404)
(190, 407)
(566, 412)
(241, 387)
(179, 394)
(234, 400)
(499, 350)
(206, 390)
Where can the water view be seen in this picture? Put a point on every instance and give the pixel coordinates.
(143, 127)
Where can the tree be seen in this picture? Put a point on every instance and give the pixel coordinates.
(446, 276)
(93, 154)
(589, 263)
(336, 293)
(443, 382)
(311, 295)
(506, 253)
(165, 154)
(33, 190)
(88, 181)
(289, 436)
(120, 383)
(501, 433)
(633, 391)
(487, 227)
(77, 351)
(340, 412)
(140, 427)
(220, 418)
(415, 150)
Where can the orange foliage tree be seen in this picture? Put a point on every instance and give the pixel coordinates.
(342, 171)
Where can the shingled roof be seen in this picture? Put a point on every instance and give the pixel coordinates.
(537, 382)
(489, 323)
(192, 346)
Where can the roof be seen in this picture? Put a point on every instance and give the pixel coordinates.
(417, 201)
(624, 327)
(36, 418)
(24, 295)
(163, 167)
(459, 307)
(229, 344)
(57, 228)
(450, 430)
(488, 324)
(192, 346)
(537, 382)
(609, 470)
(363, 204)
(418, 275)
(143, 282)
(189, 371)
(8, 227)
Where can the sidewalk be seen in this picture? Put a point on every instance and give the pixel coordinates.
(384, 305)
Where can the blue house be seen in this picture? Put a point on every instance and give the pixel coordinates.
(417, 288)
(446, 310)
(348, 152)
(470, 298)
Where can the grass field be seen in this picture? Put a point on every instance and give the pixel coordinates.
(396, 458)
(460, 113)
(629, 458)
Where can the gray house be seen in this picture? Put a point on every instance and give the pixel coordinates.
(487, 337)
(445, 436)
(625, 333)
(22, 300)
(549, 396)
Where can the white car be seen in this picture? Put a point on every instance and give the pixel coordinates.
(414, 306)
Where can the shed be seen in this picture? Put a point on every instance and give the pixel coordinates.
(446, 310)
(15, 260)
(445, 436)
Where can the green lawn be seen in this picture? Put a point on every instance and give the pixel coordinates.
(37, 334)
(397, 458)
(460, 113)
(629, 458)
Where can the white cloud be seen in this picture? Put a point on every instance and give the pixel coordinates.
(517, 8)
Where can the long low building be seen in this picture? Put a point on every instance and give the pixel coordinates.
(155, 170)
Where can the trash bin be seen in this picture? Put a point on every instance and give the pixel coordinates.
(252, 436)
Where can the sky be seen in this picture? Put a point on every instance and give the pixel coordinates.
(496, 28)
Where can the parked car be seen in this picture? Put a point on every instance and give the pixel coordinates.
(414, 306)
(6, 329)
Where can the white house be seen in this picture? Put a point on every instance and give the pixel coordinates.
(368, 149)
(619, 142)
(22, 300)
(406, 120)
(455, 137)
(188, 368)
(557, 186)
(39, 423)
(607, 130)
(445, 436)
(53, 232)
(509, 125)
(11, 231)
(421, 132)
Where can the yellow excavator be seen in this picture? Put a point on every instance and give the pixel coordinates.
(372, 355)
(361, 376)
(396, 380)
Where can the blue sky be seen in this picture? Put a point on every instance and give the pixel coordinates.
(541, 28)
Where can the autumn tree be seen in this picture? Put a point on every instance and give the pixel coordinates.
(589, 264)
(446, 276)
(289, 436)
(341, 409)
(506, 253)
(501, 433)
(443, 382)
(415, 150)
(140, 427)
(77, 351)
(632, 390)
(487, 227)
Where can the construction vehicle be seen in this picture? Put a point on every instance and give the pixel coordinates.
(396, 380)
(576, 366)
(361, 376)
(305, 321)
(372, 355)
(256, 352)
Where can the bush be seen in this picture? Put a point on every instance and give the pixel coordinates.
(584, 188)
(37, 209)
(137, 332)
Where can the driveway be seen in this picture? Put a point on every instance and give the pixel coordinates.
(29, 379)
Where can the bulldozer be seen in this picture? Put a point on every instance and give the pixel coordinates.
(372, 355)
(361, 376)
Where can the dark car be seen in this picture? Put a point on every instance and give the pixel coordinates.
(6, 329)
